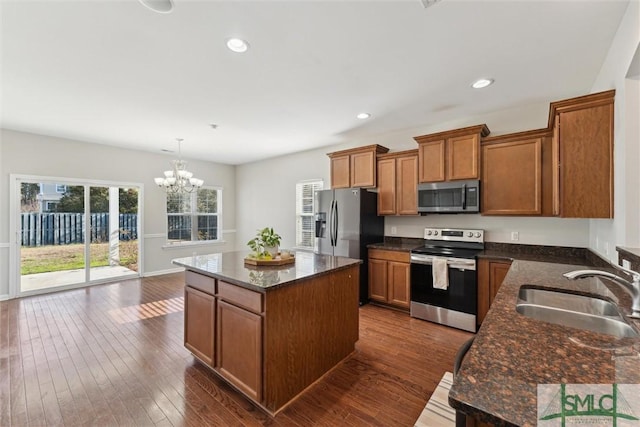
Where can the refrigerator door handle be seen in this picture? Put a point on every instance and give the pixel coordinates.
(331, 221)
(335, 224)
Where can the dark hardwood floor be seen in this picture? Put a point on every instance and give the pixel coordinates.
(113, 355)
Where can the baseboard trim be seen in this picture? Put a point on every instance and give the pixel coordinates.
(161, 272)
(4, 297)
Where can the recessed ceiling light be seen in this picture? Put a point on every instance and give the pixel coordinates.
(160, 6)
(363, 116)
(237, 45)
(480, 83)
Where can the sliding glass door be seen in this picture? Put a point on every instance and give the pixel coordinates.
(72, 233)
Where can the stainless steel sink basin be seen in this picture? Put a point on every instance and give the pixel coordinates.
(576, 311)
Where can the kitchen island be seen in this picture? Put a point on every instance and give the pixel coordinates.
(512, 354)
(271, 331)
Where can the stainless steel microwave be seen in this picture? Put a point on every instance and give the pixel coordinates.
(449, 197)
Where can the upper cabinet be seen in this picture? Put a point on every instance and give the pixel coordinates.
(563, 170)
(583, 151)
(451, 155)
(355, 167)
(517, 174)
(397, 183)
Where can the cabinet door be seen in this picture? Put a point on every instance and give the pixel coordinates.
(340, 177)
(512, 178)
(491, 274)
(463, 154)
(407, 185)
(363, 169)
(497, 272)
(378, 280)
(586, 162)
(431, 160)
(199, 318)
(239, 348)
(399, 284)
(387, 187)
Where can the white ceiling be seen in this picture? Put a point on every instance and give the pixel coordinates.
(114, 72)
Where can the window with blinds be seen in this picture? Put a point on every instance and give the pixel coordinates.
(305, 191)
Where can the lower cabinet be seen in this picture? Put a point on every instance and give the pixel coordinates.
(199, 323)
(491, 274)
(389, 277)
(239, 348)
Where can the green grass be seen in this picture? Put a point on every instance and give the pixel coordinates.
(44, 259)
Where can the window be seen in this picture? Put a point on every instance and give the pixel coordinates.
(305, 200)
(194, 217)
(61, 188)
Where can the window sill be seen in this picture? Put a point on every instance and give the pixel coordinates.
(183, 245)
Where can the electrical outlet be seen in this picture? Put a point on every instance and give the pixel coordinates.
(515, 236)
(394, 231)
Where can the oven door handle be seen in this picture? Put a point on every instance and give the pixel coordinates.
(462, 264)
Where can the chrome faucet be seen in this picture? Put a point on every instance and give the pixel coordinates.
(632, 287)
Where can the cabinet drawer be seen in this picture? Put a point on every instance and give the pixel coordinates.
(200, 281)
(390, 255)
(240, 296)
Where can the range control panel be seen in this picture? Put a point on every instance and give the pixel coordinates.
(454, 235)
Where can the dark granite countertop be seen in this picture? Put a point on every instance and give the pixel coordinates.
(394, 246)
(508, 251)
(512, 354)
(230, 267)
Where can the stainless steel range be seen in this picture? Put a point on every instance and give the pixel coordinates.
(443, 277)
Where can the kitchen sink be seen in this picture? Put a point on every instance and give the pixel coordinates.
(576, 311)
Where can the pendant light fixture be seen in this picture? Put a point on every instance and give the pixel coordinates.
(179, 180)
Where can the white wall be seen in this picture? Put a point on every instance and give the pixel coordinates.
(30, 154)
(623, 229)
(267, 196)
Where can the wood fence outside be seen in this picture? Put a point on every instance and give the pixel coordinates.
(39, 229)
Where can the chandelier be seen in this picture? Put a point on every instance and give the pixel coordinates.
(179, 180)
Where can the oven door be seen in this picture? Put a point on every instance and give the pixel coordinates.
(462, 292)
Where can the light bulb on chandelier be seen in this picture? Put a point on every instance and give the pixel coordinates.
(179, 179)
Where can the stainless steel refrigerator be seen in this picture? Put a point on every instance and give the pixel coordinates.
(346, 221)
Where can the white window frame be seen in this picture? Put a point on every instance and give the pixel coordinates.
(61, 188)
(317, 184)
(194, 221)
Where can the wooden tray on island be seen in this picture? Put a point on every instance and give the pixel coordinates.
(254, 261)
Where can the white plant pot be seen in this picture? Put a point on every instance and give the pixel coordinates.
(273, 250)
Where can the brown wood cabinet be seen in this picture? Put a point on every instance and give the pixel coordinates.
(517, 174)
(239, 348)
(199, 323)
(397, 183)
(583, 149)
(355, 167)
(491, 274)
(389, 277)
(451, 155)
(271, 346)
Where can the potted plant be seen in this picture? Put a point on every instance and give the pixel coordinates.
(265, 244)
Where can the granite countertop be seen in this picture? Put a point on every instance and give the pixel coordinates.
(508, 251)
(394, 246)
(512, 354)
(230, 267)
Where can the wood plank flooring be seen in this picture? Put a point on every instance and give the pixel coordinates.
(113, 355)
